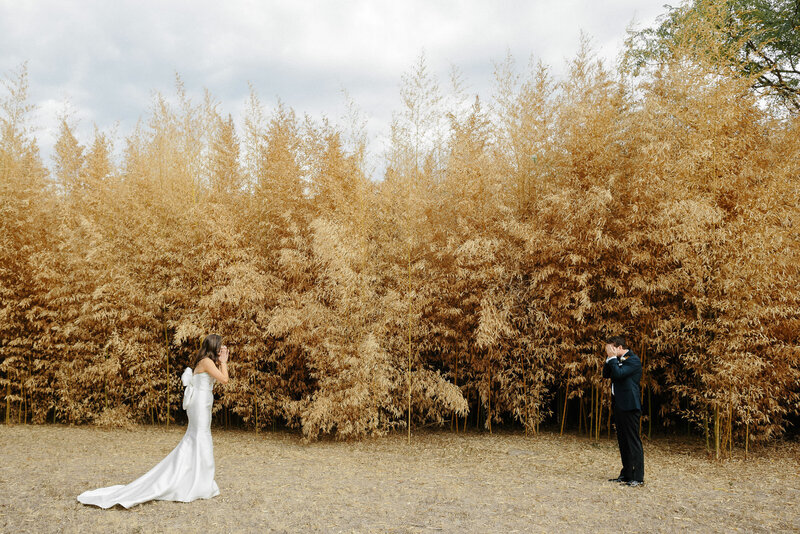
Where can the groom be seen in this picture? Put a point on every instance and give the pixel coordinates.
(624, 369)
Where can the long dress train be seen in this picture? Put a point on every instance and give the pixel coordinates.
(187, 473)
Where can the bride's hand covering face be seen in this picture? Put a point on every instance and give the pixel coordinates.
(223, 354)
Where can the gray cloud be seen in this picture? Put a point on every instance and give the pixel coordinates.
(109, 57)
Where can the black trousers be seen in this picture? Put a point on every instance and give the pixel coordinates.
(630, 444)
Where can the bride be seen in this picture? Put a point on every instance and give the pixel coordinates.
(187, 473)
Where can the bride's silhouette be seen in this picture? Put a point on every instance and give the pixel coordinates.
(187, 473)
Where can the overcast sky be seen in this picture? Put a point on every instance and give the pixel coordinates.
(108, 57)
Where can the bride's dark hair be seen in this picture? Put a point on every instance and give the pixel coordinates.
(209, 349)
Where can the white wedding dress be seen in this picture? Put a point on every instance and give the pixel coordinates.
(187, 473)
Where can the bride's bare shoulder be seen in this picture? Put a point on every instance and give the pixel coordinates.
(202, 366)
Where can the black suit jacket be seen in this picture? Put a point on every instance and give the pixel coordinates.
(625, 375)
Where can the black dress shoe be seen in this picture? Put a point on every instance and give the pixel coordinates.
(621, 480)
(635, 483)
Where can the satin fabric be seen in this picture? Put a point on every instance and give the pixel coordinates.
(187, 473)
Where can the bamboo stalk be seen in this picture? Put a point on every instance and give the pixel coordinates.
(466, 415)
(150, 406)
(525, 393)
(408, 270)
(746, 437)
(585, 410)
(649, 414)
(600, 398)
(590, 412)
(559, 408)
(599, 414)
(489, 398)
(166, 344)
(255, 403)
(105, 383)
(478, 414)
(455, 383)
(29, 402)
(730, 429)
(644, 379)
(8, 400)
(592, 417)
(566, 401)
(716, 432)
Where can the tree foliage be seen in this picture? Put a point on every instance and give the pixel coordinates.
(473, 285)
(759, 39)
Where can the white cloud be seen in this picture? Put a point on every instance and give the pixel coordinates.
(108, 57)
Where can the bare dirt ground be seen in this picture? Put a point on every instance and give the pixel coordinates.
(272, 482)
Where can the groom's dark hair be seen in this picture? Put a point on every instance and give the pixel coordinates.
(617, 341)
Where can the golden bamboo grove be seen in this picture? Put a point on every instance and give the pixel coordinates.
(472, 286)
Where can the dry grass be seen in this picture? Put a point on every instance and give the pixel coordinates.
(443, 482)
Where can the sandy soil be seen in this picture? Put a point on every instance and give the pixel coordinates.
(271, 482)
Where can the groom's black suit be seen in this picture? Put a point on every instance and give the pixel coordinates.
(625, 374)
